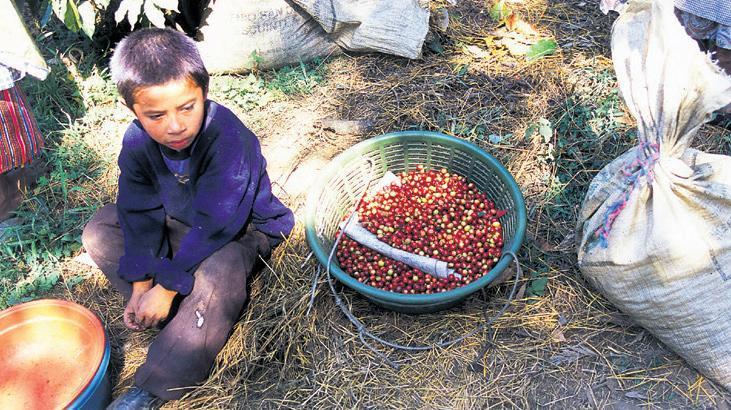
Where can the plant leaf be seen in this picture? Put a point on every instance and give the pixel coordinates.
(499, 11)
(542, 48)
(59, 8)
(635, 395)
(476, 51)
(166, 4)
(436, 46)
(515, 48)
(558, 336)
(71, 18)
(88, 18)
(571, 354)
(516, 24)
(129, 8)
(537, 286)
(154, 14)
(545, 130)
(494, 138)
(47, 8)
(461, 69)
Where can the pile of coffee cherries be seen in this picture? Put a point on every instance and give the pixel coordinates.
(431, 213)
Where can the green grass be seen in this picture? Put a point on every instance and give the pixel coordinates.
(257, 91)
(31, 253)
(589, 133)
(56, 210)
(298, 80)
(247, 92)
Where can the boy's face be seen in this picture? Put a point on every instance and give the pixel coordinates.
(171, 113)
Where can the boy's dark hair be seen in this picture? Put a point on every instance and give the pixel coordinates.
(154, 56)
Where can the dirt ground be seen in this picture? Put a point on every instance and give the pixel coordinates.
(568, 348)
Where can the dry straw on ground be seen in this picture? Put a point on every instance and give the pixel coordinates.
(566, 349)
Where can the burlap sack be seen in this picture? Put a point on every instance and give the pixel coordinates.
(238, 35)
(655, 225)
(395, 27)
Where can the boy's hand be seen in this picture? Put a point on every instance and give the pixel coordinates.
(130, 311)
(154, 306)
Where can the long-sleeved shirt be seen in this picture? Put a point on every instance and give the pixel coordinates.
(227, 187)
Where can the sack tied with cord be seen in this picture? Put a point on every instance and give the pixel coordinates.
(655, 226)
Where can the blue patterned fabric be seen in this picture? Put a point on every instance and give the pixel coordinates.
(718, 11)
(701, 28)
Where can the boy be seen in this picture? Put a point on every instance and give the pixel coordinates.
(193, 212)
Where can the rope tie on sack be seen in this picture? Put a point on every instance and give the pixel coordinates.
(642, 168)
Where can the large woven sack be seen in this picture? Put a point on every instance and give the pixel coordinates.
(655, 226)
(395, 27)
(236, 35)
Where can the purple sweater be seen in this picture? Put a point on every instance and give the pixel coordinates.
(228, 188)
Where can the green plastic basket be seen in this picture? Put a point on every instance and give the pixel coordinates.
(344, 180)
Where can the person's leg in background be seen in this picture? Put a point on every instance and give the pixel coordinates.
(723, 57)
(20, 145)
(10, 194)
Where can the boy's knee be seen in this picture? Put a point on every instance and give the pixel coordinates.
(94, 234)
(230, 255)
(226, 261)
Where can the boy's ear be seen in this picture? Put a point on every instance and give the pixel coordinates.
(123, 103)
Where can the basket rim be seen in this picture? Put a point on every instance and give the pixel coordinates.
(354, 152)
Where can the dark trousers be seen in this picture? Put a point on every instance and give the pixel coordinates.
(12, 185)
(10, 193)
(182, 354)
